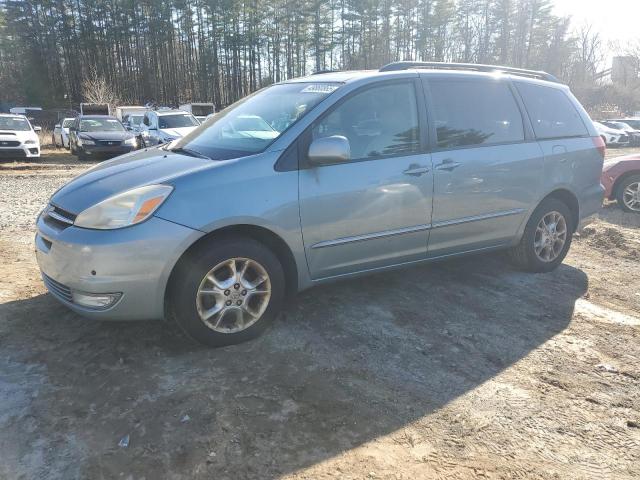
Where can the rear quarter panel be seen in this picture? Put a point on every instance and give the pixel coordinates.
(574, 164)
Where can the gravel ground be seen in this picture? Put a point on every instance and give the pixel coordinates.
(465, 369)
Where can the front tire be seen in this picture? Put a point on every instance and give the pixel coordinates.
(628, 194)
(546, 239)
(226, 291)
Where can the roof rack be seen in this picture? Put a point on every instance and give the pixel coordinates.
(320, 72)
(474, 67)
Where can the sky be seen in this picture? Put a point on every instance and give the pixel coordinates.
(616, 20)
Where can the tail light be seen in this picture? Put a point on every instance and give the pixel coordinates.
(598, 142)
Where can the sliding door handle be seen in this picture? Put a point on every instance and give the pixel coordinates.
(416, 170)
(448, 165)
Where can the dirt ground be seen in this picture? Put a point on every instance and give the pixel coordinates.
(466, 369)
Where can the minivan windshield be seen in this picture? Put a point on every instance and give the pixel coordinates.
(178, 120)
(14, 123)
(101, 125)
(253, 123)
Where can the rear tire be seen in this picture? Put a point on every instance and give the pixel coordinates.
(628, 194)
(539, 250)
(193, 295)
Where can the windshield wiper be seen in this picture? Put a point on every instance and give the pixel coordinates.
(188, 151)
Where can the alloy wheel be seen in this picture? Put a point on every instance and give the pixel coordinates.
(550, 236)
(631, 196)
(233, 295)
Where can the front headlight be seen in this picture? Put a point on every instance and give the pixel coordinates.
(85, 141)
(130, 141)
(124, 209)
(164, 137)
(30, 142)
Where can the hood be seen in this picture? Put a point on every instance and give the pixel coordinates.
(634, 157)
(124, 173)
(106, 135)
(19, 135)
(178, 132)
(604, 129)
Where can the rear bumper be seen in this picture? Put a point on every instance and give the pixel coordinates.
(132, 263)
(590, 204)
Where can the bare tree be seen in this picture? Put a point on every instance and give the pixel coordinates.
(95, 89)
(589, 53)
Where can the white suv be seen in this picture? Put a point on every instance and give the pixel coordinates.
(163, 126)
(18, 139)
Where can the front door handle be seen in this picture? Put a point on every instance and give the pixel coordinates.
(416, 170)
(448, 165)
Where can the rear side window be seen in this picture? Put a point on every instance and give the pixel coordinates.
(379, 121)
(475, 113)
(551, 112)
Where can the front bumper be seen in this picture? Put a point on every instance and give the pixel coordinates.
(21, 151)
(134, 263)
(99, 150)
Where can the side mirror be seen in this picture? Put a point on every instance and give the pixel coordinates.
(37, 129)
(329, 150)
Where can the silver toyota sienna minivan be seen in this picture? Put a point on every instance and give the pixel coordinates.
(323, 178)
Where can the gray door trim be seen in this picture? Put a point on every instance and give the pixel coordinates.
(416, 228)
(475, 218)
(371, 236)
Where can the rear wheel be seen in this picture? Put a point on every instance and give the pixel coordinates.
(628, 194)
(227, 291)
(546, 239)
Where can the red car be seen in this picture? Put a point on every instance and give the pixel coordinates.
(621, 180)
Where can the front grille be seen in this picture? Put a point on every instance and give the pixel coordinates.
(57, 288)
(58, 218)
(623, 138)
(109, 143)
(9, 143)
(6, 153)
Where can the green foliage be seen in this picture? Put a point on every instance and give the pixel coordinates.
(173, 51)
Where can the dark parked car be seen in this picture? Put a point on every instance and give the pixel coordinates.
(99, 136)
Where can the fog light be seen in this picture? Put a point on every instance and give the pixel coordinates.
(99, 301)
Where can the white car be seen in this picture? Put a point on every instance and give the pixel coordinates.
(611, 136)
(163, 126)
(18, 139)
(61, 133)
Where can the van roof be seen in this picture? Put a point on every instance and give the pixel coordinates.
(432, 69)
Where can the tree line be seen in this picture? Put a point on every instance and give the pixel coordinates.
(175, 51)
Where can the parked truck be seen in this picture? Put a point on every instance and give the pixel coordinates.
(199, 110)
(123, 112)
(94, 109)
